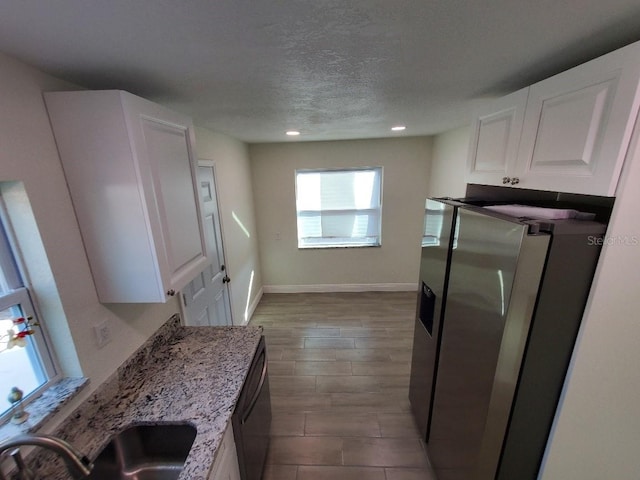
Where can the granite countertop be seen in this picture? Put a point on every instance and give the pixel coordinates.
(180, 375)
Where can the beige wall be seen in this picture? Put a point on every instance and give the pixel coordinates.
(449, 163)
(28, 155)
(406, 167)
(233, 182)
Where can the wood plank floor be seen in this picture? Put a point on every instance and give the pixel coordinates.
(339, 377)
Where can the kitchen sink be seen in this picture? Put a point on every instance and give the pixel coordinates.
(145, 452)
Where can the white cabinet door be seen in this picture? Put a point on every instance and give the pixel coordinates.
(164, 140)
(494, 139)
(130, 167)
(578, 124)
(225, 466)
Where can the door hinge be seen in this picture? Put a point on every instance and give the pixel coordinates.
(184, 299)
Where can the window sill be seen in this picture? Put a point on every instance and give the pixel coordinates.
(324, 247)
(45, 406)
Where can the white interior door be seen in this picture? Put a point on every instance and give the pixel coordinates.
(205, 299)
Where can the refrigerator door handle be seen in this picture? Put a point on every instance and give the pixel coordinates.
(427, 308)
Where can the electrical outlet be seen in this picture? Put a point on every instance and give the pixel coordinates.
(103, 333)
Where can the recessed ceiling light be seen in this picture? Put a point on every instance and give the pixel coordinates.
(398, 128)
(293, 133)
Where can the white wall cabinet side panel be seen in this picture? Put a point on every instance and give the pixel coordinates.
(578, 124)
(494, 139)
(225, 466)
(130, 167)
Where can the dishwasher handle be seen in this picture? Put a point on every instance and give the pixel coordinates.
(254, 399)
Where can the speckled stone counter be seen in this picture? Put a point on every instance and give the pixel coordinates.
(181, 375)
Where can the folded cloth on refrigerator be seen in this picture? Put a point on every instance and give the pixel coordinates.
(540, 213)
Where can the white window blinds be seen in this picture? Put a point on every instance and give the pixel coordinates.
(339, 208)
(432, 224)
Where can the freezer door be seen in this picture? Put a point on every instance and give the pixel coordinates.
(494, 277)
(439, 220)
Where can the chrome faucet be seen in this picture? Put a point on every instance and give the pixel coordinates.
(77, 464)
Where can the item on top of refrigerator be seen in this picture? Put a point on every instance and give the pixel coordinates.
(540, 213)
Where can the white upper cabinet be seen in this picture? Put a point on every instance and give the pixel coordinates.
(130, 166)
(576, 129)
(495, 135)
(578, 125)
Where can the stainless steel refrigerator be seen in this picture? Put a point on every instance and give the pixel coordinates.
(499, 307)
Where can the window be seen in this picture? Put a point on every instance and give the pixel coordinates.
(30, 367)
(432, 224)
(339, 208)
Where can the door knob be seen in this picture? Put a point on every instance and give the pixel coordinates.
(226, 279)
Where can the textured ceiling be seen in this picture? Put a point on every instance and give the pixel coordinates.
(334, 69)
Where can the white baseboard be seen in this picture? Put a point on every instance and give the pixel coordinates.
(354, 287)
(254, 305)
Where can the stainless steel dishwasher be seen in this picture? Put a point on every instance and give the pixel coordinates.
(252, 418)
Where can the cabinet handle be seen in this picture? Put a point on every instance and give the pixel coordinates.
(171, 292)
(254, 400)
(515, 181)
(506, 180)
